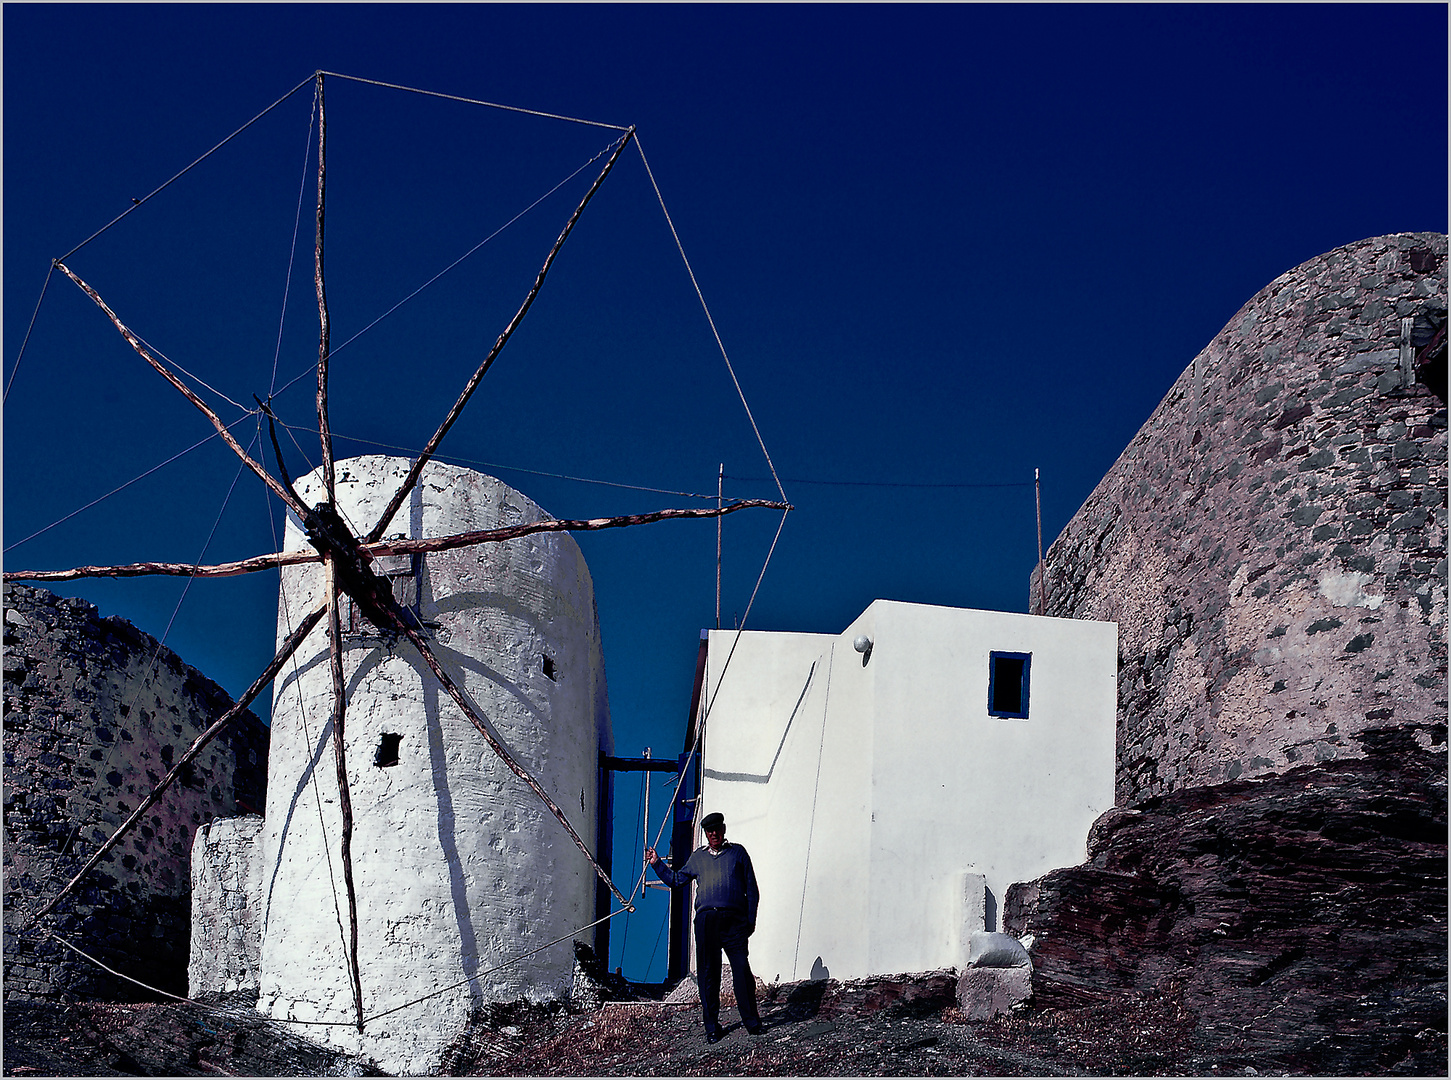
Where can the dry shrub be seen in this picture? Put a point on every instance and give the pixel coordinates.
(606, 1033)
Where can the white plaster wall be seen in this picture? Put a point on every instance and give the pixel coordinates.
(458, 865)
(765, 743)
(955, 788)
(892, 779)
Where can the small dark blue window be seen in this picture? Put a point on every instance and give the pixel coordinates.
(1007, 684)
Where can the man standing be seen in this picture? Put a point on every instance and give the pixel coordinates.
(725, 915)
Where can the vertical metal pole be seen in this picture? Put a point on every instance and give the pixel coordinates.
(682, 842)
(1042, 570)
(605, 846)
(645, 824)
(719, 491)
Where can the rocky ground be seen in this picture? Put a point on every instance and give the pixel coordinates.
(172, 1039)
(905, 1026)
(884, 1027)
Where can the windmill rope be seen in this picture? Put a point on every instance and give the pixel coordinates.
(302, 708)
(145, 682)
(155, 990)
(708, 318)
(21, 354)
(291, 435)
(517, 468)
(128, 483)
(640, 826)
(493, 235)
(664, 922)
(194, 377)
(720, 680)
(475, 101)
(292, 253)
(811, 828)
(880, 483)
(138, 202)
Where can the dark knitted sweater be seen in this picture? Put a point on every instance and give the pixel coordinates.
(724, 880)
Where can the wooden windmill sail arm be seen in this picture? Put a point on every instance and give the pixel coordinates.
(330, 560)
(510, 532)
(387, 547)
(266, 408)
(320, 285)
(345, 798)
(287, 497)
(473, 383)
(401, 624)
(168, 569)
(289, 646)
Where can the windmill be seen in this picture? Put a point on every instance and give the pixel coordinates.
(347, 554)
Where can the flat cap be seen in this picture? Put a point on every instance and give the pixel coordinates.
(712, 821)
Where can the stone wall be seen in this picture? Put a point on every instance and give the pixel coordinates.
(226, 886)
(1272, 543)
(95, 714)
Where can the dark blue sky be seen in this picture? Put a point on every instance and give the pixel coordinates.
(942, 245)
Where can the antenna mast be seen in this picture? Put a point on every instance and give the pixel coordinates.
(719, 490)
(1042, 588)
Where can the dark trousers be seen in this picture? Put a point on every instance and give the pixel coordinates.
(718, 929)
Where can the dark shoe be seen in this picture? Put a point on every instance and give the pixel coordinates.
(714, 1036)
(754, 1030)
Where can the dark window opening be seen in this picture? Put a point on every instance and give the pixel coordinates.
(549, 668)
(1428, 340)
(404, 574)
(1007, 684)
(1424, 261)
(387, 750)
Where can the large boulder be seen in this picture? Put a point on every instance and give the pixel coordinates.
(1301, 918)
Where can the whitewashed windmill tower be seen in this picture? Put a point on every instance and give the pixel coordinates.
(458, 866)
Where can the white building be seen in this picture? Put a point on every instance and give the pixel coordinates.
(878, 791)
(460, 868)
